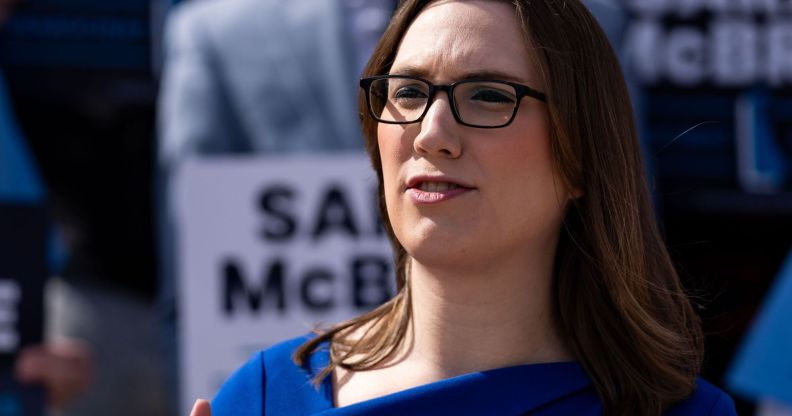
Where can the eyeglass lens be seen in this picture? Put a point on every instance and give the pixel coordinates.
(478, 103)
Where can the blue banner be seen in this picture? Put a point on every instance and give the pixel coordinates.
(763, 367)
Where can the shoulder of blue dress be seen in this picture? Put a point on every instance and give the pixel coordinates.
(241, 394)
(707, 400)
(271, 383)
(289, 388)
(281, 355)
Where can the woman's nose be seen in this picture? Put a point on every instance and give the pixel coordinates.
(439, 131)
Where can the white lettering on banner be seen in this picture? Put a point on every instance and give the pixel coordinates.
(266, 248)
(685, 56)
(734, 53)
(644, 43)
(10, 295)
(740, 42)
(731, 6)
(649, 7)
(688, 8)
(779, 44)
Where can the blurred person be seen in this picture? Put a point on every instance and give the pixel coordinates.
(62, 366)
(532, 276)
(257, 77)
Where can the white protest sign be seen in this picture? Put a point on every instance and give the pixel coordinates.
(266, 248)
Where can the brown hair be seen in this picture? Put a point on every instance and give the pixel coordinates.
(619, 303)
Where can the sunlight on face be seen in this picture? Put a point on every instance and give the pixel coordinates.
(463, 196)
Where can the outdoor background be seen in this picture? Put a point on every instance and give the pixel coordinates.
(713, 90)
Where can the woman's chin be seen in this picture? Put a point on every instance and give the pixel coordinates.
(442, 254)
(442, 242)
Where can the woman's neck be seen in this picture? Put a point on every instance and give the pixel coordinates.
(469, 320)
(465, 320)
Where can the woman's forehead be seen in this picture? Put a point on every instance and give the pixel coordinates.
(450, 39)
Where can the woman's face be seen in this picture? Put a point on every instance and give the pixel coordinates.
(505, 199)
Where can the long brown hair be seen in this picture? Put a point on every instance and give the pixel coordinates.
(619, 303)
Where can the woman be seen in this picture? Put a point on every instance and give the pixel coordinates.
(532, 278)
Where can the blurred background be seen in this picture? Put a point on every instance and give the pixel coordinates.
(100, 100)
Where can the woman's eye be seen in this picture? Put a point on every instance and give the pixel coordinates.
(409, 93)
(492, 96)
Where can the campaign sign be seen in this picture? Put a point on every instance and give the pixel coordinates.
(23, 268)
(716, 99)
(268, 248)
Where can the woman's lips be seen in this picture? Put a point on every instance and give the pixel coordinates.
(432, 192)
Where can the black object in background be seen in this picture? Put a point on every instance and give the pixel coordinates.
(78, 34)
(23, 269)
(80, 82)
(717, 120)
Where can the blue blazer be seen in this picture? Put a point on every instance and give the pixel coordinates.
(271, 384)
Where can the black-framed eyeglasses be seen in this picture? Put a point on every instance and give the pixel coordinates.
(482, 103)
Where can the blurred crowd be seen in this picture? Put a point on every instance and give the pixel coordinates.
(101, 103)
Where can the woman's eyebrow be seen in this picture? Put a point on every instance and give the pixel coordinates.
(419, 72)
(490, 74)
(410, 71)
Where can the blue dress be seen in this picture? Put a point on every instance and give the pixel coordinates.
(271, 384)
